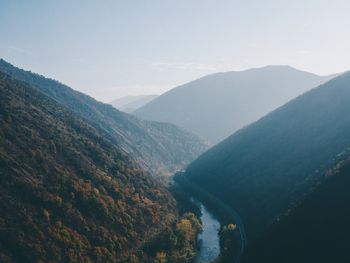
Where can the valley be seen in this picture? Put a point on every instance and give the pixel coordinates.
(174, 131)
(84, 182)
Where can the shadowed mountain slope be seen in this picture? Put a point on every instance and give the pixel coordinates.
(261, 169)
(317, 230)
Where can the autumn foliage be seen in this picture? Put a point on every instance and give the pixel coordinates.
(67, 193)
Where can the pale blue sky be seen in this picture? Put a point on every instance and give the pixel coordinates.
(109, 49)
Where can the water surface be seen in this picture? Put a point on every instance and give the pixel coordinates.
(209, 238)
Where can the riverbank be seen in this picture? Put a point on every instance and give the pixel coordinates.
(226, 216)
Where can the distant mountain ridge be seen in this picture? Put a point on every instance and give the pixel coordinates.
(160, 148)
(131, 103)
(217, 105)
(263, 168)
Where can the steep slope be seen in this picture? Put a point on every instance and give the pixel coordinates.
(131, 103)
(317, 230)
(158, 147)
(217, 105)
(67, 192)
(264, 167)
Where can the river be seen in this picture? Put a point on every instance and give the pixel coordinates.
(209, 238)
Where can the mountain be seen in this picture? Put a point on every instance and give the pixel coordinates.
(265, 167)
(160, 148)
(217, 105)
(131, 103)
(317, 230)
(68, 193)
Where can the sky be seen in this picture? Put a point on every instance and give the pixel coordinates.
(111, 48)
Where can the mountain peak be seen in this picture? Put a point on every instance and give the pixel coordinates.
(219, 104)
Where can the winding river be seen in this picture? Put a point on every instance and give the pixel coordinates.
(209, 238)
(209, 241)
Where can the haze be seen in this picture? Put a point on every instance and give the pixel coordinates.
(110, 49)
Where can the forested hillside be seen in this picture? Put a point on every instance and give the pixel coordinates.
(263, 168)
(160, 148)
(67, 192)
(316, 230)
(217, 105)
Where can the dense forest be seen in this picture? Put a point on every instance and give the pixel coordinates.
(160, 148)
(265, 167)
(68, 193)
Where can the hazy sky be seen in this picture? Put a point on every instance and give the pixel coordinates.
(109, 49)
